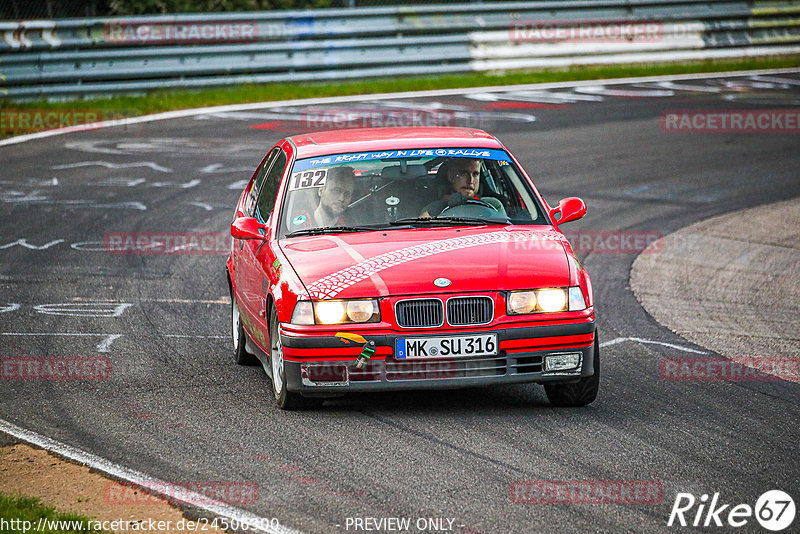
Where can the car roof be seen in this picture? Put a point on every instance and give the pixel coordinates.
(367, 139)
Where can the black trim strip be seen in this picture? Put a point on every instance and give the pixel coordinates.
(570, 329)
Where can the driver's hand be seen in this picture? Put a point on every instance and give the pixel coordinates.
(456, 199)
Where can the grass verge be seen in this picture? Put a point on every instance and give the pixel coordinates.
(167, 100)
(22, 514)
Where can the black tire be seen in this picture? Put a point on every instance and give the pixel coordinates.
(578, 393)
(285, 400)
(240, 354)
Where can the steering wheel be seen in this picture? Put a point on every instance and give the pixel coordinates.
(470, 207)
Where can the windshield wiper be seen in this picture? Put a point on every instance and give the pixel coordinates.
(449, 220)
(330, 230)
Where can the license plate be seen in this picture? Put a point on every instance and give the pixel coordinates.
(446, 347)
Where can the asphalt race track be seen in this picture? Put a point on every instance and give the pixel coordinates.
(178, 408)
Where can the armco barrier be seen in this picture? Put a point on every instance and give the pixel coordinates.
(69, 57)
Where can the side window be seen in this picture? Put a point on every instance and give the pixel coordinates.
(268, 190)
(252, 195)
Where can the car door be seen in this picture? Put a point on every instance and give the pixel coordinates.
(241, 263)
(257, 257)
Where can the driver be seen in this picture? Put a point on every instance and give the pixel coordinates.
(464, 175)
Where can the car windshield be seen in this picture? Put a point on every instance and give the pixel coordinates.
(417, 187)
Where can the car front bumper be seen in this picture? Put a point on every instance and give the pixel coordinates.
(323, 366)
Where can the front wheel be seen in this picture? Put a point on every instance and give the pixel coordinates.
(285, 400)
(578, 393)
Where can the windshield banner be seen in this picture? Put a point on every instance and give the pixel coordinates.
(336, 159)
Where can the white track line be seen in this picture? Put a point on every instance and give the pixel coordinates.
(103, 346)
(108, 165)
(195, 336)
(146, 482)
(382, 96)
(650, 342)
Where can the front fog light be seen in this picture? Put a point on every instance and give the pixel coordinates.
(330, 311)
(562, 362)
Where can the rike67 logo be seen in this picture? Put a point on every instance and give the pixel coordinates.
(774, 510)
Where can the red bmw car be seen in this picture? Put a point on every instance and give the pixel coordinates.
(407, 258)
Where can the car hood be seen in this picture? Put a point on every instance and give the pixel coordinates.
(406, 262)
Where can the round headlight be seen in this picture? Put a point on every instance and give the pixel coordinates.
(360, 311)
(552, 300)
(329, 311)
(522, 302)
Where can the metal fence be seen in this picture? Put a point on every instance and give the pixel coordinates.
(51, 9)
(69, 57)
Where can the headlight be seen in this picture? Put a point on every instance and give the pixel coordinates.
(520, 302)
(547, 300)
(338, 312)
(552, 300)
(330, 311)
(362, 311)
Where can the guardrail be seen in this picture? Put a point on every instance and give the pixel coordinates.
(71, 57)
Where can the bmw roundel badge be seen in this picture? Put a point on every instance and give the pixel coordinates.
(441, 282)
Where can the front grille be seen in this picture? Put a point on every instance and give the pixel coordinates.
(419, 313)
(465, 311)
(526, 364)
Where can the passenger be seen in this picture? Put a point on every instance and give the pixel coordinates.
(334, 198)
(464, 176)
